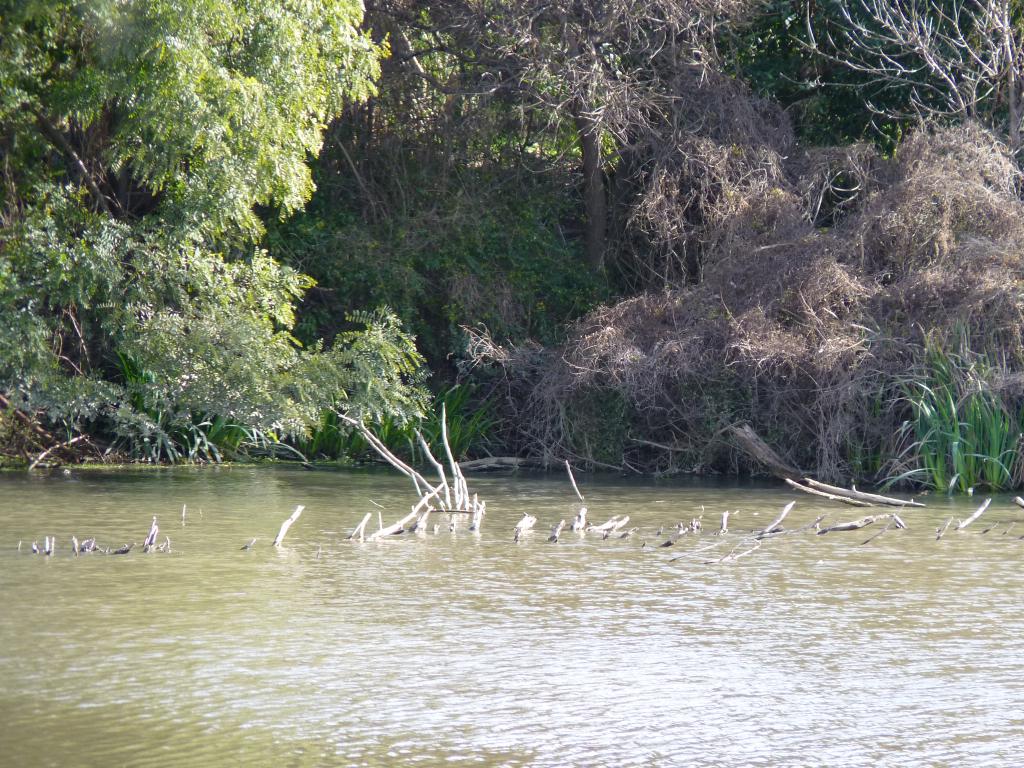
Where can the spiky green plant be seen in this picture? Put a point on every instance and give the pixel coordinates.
(963, 433)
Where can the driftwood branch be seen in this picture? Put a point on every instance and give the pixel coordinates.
(833, 497)
(568, 468)
(287, 524)
(853, 493)
(53, 448)
(777, 522)
(852, 525)
(964, 523)
(360, 530)
(396, 528)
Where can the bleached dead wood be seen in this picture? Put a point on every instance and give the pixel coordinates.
(287, 524)
(360, 530)
(724, 528)
(421, 521)
(791, 531)
(523, 526)
(478, 510)
(1018, 501)
(382, 450)
(733, 556)
(619, 524)
(568, 468)
(249, 545)
(395, 528)
(461, 489)
(853, 493)
(777, 522)
(941, 530)
(580, 521)
(154, 529)
(894, 520)
(53, 448)
(556, 531)
(824, 495)
(613, 524)
(964, 523)
(852, 525)
(437, 467)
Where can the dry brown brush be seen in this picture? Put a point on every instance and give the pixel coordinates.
(822, 274)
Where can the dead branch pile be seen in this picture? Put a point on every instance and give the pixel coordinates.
(798, 329)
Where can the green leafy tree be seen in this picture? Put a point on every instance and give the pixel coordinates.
(143, 141)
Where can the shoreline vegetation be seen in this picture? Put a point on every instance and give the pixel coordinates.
(642, 236)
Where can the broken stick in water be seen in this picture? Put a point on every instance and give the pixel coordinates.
(776, 524)
(360, 530)
(556, 531)
(249, 545)
(964, 523)
(523, 526)
(580, 521)
(287, 524)
(150, 541)
(853, 525)
(568, 468)
(942, 529)
(396, 528)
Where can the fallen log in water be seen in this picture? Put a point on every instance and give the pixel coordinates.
(249, 545)
(1018, 501)
(853, 493)
(830, 496)
(287, 524)
(750, 443)
(724, 528)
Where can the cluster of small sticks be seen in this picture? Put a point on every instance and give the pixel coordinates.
(89, 546)
(451, 496)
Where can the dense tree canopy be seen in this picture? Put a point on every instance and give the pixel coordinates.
(141, 142)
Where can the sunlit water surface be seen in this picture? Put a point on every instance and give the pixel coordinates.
(463, 649)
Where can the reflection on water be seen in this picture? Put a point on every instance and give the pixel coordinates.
(459, 649)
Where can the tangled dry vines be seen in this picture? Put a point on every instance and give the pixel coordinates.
(820, 286)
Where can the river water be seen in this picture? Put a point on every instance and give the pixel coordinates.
(461, 649)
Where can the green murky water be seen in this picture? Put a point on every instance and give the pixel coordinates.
(461, 649)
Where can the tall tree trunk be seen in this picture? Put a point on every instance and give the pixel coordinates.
(594, 203)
